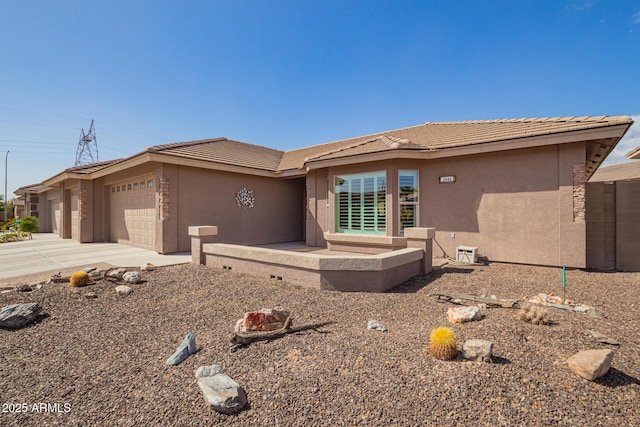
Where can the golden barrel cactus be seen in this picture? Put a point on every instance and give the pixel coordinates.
(79, 278)
(443, 344)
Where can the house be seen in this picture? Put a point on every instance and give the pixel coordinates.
(18, 207)
(613, 218)
(514, 188)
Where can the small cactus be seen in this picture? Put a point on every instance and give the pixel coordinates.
(79, 278)
(534, 314)
(443, 344)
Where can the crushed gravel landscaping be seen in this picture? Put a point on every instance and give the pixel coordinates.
(101, 361)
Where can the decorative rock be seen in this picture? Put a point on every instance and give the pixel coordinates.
(591, 364)
(16, 316)
(185, 349)
(376, 326)
(117, 273)
(89, 269)
(221, 392)
(477, 350)
(267, 319)
(23, 288)
(147, 267)
(95, 273)
(123, 290)
(90, 295)
(602, 338)
(39, 286)
(132, 277)
(463, 314)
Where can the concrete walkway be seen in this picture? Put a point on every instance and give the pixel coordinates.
(47, 252)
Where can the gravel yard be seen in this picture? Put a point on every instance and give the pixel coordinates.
(105, 357)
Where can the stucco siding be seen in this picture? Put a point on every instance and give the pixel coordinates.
(516, 206)
(208, 197)
(628, 225)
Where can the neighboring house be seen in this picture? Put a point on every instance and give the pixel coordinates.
(613, 218)
(18, 207)
(513, 188)
(634, 154)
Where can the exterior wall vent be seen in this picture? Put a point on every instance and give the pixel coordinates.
(467, 254)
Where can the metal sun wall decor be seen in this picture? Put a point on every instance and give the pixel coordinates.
(244, 198)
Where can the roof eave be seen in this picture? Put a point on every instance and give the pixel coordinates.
(207, 164)
(634, 154)
(615, 132)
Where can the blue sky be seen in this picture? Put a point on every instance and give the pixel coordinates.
(287, 74)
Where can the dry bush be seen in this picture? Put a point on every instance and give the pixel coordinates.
(534, 314)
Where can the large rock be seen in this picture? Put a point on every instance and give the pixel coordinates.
(374, 325)
(184, 350)
(16, 316)
(591, 364)
(267, 319)
(463, 314)
(123, 290)
(477, 350)
(117, 273)
(147, 266)
(220, 391)
(132, 277)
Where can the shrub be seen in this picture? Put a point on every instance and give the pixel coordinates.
(443, 344)
(12, 237)
(79, 278)
(532, 313)
(29, 224)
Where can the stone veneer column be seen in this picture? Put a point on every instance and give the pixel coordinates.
(200, 235)
(579, 192)
(422, 238)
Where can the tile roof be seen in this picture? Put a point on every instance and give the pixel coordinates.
(222, 150)
(442, 135)
(91, 167)
(622, 172)
(32, 188)
(634, 154)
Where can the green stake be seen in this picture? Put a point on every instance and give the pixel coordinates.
(564, 281)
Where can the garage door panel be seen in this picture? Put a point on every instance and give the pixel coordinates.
(55, 216)
(75, 215)
(133, 213)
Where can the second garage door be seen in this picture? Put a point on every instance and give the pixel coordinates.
(55, 215)
(133, 212)
(75, 217)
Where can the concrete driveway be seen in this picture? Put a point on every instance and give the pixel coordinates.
(48, 252)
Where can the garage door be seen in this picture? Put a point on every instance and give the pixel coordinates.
(75, 228)
(55, 215)
(133, 213)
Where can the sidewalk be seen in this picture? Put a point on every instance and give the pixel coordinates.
(48, 252)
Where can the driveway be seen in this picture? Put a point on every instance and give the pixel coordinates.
(48, 252)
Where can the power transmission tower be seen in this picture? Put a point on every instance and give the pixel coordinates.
(87, 151)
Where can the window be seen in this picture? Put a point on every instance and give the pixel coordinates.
(408, 199)
(141, 184)
(150, 183)
(128, 186)
(136, 185)
(360, 203)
